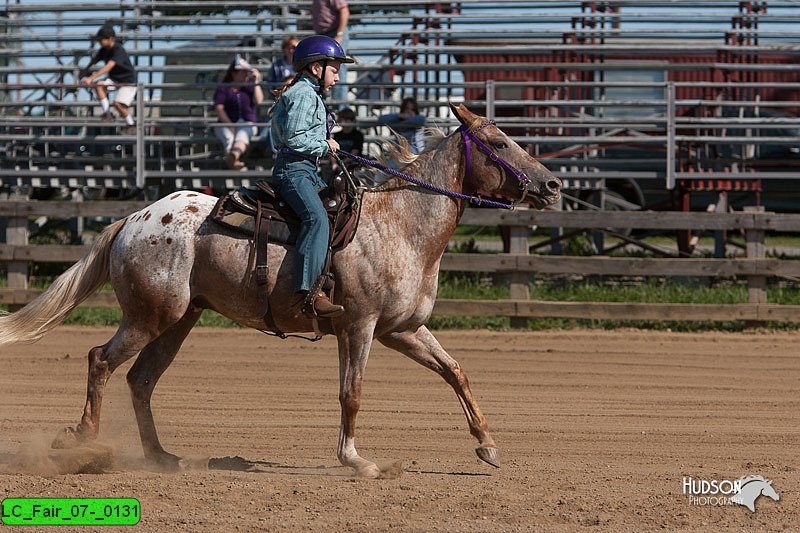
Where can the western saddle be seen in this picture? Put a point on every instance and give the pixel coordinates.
(260, 213)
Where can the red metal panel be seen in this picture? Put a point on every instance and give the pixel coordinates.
(700, 74)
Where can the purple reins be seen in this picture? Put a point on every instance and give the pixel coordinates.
(524, 181)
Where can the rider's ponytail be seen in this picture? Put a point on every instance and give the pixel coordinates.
(280, 90)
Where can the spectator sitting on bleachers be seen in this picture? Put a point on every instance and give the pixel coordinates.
(281, 71)
(237, 104)
(121, 77)
(407, 123)
(350, 138)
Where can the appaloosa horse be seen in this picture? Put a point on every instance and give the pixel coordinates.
(169, 262)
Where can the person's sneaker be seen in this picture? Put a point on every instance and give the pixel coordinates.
(107, 117)
(128, 130)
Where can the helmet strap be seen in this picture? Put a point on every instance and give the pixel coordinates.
(319, 80)
(321, 89)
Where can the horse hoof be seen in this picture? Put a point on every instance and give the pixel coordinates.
(166, 462)
(66, 438)
(489, 455)
(369, 471)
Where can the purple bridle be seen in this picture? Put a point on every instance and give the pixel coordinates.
(469, 135)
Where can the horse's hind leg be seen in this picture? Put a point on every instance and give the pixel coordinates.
(103, 360)
(422, 347)
(142, 379)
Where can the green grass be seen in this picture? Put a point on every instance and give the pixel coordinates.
(98, 316)
(476, 286)
(655, 290)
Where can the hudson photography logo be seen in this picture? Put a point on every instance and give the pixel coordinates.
(720, 492)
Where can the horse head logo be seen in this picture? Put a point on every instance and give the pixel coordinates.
(751, 488)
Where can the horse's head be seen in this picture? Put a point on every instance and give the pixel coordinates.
(768, 491)
(496, 166)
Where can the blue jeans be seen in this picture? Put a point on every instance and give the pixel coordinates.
(296, 180)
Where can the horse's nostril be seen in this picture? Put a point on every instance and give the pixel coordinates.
(554, 185)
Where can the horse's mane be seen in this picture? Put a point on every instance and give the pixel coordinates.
(398, 151)
(748, 479)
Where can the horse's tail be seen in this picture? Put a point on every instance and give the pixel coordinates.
(52, 307)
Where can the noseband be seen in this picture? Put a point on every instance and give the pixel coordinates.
(470, 137)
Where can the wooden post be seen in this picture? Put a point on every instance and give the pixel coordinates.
(721, 235)
(756, 285)
(17, 234)
(557, 233)
(518, 286)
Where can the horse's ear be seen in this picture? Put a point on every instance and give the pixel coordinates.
(464, 115)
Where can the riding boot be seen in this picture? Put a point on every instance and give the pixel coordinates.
(318, 306)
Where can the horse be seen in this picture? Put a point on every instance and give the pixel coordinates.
(168, 262)
(751, 488)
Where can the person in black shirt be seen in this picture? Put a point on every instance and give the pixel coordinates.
(350, 139)
(121, 77)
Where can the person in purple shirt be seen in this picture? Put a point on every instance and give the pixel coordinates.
(235, 105)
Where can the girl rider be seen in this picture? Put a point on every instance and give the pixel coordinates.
(301, 138)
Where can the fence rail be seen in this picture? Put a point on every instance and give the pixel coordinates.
(517, 265)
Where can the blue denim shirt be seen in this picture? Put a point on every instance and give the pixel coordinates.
(299, 120)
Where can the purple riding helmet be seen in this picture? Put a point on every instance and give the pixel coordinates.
(318, 48)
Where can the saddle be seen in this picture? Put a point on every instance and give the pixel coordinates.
(260, 213)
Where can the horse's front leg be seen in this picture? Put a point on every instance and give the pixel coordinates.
(422, 347)
(354, 345)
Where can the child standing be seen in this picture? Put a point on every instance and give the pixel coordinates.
(300, 134)
(121, 77)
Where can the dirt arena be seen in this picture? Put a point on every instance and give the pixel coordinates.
(596, 430)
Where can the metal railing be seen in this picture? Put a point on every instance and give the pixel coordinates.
(574, 126)
(573, 136)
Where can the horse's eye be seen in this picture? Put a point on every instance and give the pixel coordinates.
(500, 145)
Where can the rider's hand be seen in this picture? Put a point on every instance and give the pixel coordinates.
(333, 145)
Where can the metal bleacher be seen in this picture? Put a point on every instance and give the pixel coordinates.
(673, 96)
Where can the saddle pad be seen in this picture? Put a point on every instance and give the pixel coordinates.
(228, 213)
